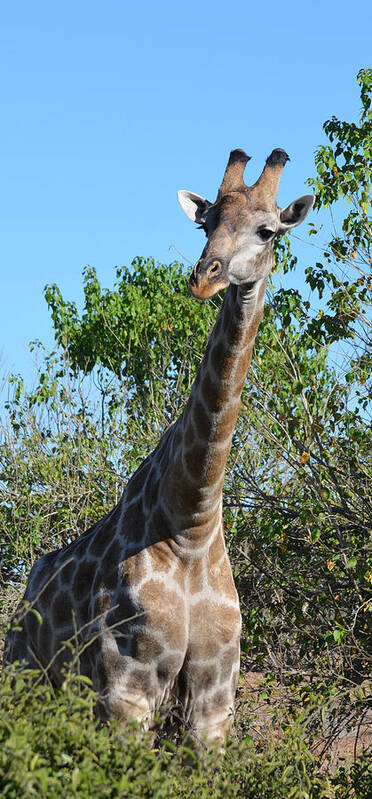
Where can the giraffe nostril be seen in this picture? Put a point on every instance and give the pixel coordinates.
(215, 268)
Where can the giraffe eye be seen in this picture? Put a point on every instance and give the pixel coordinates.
(265, 233)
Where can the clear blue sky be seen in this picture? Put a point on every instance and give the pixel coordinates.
(108, 108)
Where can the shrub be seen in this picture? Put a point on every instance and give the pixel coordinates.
(51, 746)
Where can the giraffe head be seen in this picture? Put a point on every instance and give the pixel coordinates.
(241, 225)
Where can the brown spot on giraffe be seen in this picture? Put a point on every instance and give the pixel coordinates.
(227, 661)
(148, 648)
(81, 585)
(166, 667)
(150, 585)
(99, 543)
(61, 610)
(165, 611)
(45, 638)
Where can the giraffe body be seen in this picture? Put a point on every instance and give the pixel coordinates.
(146, 597)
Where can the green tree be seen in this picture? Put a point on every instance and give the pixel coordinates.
(146, 330)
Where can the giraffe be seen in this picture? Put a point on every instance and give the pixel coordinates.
(147, 594)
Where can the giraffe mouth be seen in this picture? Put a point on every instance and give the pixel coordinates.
(202, 288)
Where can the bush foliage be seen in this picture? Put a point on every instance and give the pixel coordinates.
(50, 746)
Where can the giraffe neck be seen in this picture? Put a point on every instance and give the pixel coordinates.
(203, 433)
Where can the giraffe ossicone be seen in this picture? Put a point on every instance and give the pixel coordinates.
(147, 594)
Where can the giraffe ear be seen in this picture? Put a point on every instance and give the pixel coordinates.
(296, 212)
(194, 206)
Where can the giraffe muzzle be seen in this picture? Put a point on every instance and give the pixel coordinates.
(206, 281)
